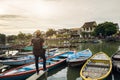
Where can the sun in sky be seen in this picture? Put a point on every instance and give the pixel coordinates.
(2, 10)
(45, 10)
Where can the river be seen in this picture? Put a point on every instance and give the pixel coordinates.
(67, 73)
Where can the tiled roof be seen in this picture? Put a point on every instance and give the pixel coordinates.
(89, 24)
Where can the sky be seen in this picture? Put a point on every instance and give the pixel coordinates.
(29, 15)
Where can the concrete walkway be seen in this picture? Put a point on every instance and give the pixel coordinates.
(36, 77)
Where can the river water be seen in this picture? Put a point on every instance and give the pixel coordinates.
(67, 73)
(64, 72)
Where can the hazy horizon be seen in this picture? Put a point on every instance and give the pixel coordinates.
(29, 15)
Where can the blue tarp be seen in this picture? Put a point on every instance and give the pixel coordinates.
(84, 53)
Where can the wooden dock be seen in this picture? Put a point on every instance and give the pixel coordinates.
(36, 77)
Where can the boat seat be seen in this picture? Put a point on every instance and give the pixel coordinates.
(99, 61)
(98, 65)
(116, 57)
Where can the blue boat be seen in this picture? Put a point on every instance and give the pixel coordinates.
(79, 58)
(25, 58)
(25, 71)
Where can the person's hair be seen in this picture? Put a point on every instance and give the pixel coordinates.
(37, 33)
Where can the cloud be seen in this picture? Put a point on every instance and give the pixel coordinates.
(43, 14)
(3, 25)
(10, 16)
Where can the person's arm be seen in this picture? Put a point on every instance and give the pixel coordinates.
(30, 43)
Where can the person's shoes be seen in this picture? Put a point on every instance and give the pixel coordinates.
(45, 70)
(37, 73)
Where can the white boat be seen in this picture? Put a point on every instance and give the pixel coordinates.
(11, 52)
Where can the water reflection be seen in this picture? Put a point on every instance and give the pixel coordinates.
(108, 48)
(56, 74)
(113, 76)
(68, 73)
(71, 71)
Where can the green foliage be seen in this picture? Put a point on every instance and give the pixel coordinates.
(11, 38)
(2, 38)
(50, 32)
(83, 34)
(105, 29)
(21, 36)
(28, 36)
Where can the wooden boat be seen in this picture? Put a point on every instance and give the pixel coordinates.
(4, 67)
(25, 71)
(79, 58)
(18, 60)
(97, 67)
(8, 54)
(116, 61)
(23, 58)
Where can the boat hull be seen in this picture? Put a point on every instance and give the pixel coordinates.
(25, 71)
(79, 58)
(116, 61)
(25, 76)
(17, 62)
(76, 63)
(98, 67)
(18, 77)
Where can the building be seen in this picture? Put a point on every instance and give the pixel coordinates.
(74, 32)
(87, 29)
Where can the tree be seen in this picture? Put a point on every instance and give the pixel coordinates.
(2, 38)
(21, 38)
(105, 29)
(50, 32)
(11, 38)
(28, 36)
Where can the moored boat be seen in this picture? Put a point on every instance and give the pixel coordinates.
(25, 71)
(24, 58)
(8, 54)
(18, 60)
(116, 61)
(98, 67)
(79, 58)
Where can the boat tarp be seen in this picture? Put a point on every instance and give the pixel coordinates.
(84, 53)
